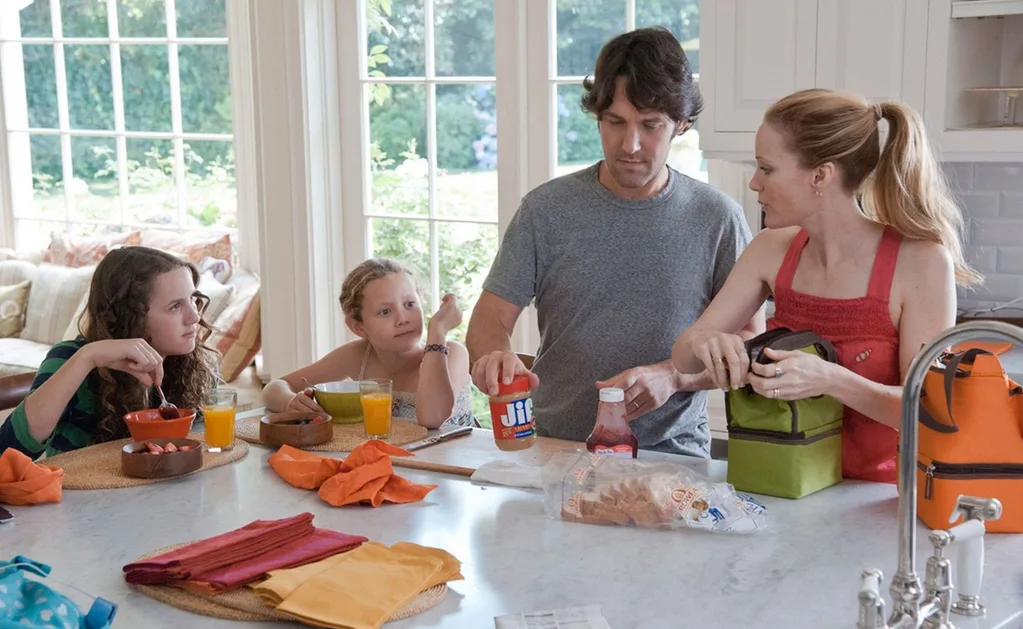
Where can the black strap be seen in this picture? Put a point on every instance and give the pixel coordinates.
(951, 372)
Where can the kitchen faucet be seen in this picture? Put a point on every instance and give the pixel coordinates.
(909, 609)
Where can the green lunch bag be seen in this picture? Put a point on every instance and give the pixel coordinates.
(779, 447)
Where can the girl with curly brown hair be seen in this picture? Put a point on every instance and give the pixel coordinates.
(142, 327)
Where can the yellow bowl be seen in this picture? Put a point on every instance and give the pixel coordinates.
(340, 400)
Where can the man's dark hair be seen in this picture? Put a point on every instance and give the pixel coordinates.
(657, 75)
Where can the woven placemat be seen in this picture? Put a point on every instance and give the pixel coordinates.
(244, 604)
(346, 436)
(99, 466)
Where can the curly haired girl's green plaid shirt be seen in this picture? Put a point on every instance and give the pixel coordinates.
(76, 427)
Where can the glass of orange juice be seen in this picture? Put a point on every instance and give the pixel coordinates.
(375, 396)
(218, 413)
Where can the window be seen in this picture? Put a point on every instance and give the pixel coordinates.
(582, 28)
(118, 116)
(430, 90)
(423, 112)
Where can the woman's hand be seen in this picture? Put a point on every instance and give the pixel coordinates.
(724, 356)
(792, 375)
(447, 318)
(135, 357)
(304, 402)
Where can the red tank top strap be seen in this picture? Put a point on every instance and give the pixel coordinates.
(883, 271)
(787, 270)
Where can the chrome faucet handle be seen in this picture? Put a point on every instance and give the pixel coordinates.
(871, 603)
(938, 580)
(972, 508)
(969, 538)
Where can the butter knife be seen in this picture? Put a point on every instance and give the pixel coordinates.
(429, 441)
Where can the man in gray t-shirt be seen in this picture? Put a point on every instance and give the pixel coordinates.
(620, 258)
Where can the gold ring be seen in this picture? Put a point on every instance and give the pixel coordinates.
(776, 393)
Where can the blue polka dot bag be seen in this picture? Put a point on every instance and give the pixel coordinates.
(27, 602)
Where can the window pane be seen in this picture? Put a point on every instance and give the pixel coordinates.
(40, 86)
(34, 235)
(212, 198)
(84, 18)
(47, 178)
(88, 85)
(95, 185)
(464, 37)
(152, 194)
(205, 89)
(397, 133)
(147, 104)
(201, 18)
(685, 155)
(681, 17)
(407, 241)
(395, 30)
(578, 139)
(141, 18)
(35, 19)
(584, 26)
(467, 151)
(466, 251)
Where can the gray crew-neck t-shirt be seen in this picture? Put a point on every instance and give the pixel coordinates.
(615, 281)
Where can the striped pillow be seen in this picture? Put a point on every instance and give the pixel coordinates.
(55, 294)
(237, 329)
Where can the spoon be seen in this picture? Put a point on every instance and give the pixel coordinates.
(166, 409)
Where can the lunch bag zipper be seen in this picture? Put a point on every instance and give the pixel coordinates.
(963, 471)
(781, 437)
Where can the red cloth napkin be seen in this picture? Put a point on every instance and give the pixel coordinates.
(320, 544)
(366, 476)
(23, 482)
(232, 559)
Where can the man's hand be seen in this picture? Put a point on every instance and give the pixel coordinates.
(646, 388)
(499, 366)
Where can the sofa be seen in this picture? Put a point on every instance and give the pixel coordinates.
(43, 293)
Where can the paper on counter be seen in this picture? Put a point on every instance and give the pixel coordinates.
(509, 473)
(589, 617)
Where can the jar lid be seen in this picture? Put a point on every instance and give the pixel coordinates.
(519, 384)
(612, 394)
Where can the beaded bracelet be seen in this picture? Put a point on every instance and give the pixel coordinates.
(443, 349)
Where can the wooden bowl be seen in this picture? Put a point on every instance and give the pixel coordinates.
(137, 461)
(279, 429)
(148, 424)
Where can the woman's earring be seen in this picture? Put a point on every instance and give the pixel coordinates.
(817, 191)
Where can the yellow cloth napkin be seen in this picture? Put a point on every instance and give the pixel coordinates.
(361, 588)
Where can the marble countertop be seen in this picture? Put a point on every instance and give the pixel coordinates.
(802, 571)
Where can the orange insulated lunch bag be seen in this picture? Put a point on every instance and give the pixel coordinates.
(971, 439)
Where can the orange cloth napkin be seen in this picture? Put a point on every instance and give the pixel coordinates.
(23, 482)
(366, 476)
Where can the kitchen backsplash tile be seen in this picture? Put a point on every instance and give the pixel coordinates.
(992, 199)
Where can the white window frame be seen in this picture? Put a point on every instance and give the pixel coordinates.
(526, 82)
(16, 187)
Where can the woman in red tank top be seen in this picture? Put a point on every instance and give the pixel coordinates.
(862, 247)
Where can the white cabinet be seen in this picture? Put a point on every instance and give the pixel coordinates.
(975, 80)
(753, 52)
(770, 44)
(877, 48)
